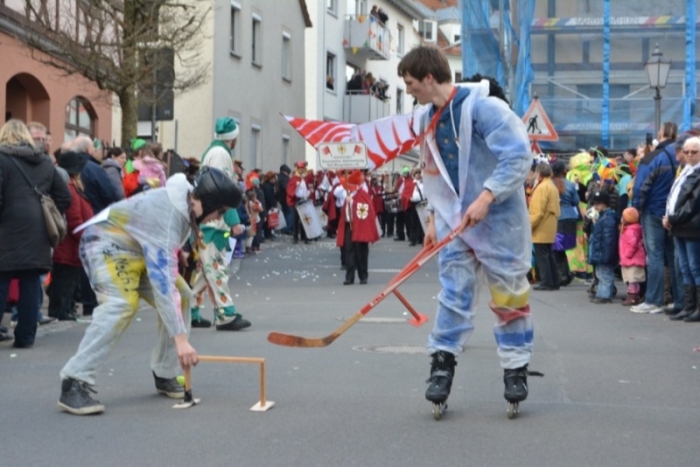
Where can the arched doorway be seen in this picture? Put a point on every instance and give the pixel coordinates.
(81, 119)
(27, 99)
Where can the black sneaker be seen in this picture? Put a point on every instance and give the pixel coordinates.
(75, 398)
(169, 387)
(238, 323)
(201, 323)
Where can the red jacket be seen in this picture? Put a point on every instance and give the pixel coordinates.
(79, 212)
(292, 186)
(406, 183)
(377, 192)
(364, 221)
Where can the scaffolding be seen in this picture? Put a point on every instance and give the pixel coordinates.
(585, 60)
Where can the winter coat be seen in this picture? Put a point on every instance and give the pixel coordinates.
(24, 244)
(603, 246)
(282, 182)
(655, 175)
(685, 222)
(114, 172)
(98, 187)
(79, 212)
(632, 247)
(544, 212)
(569, 201)
(268, 189)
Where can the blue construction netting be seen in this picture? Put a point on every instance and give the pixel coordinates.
(585, 62)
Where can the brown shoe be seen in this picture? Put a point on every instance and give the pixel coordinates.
(631, 300)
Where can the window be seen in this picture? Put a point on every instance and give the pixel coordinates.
(234, 151)
(255, 145)
(235, 28)
(286, 56)
(332, 6)
(399, 101)
(356, 7)
(427, 30)
(330, 71)
(285, 149)
(80, 119)
(257, 40)
(401, 40)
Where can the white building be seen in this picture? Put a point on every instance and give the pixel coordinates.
(345, 39)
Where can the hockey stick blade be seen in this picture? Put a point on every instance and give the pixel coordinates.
(288, 340)
(298, 341)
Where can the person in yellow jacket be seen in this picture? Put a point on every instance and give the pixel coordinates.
(544, 212)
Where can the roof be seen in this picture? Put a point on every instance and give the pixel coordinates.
(305, 13)
(413, 8)
(444, 44)
(439, 4)
(448, 14)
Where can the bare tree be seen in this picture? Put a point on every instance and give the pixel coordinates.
(119, 45)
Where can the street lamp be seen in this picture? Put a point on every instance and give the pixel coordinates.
(657, 72)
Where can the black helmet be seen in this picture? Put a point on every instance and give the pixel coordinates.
(216, 190)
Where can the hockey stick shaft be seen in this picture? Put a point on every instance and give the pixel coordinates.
(415, 264)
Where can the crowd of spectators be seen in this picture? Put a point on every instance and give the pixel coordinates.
(634, 217)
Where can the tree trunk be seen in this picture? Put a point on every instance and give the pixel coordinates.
(129, 105)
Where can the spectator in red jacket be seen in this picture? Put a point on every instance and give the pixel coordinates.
(66, 261)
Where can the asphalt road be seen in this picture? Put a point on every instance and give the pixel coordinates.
(619, 389)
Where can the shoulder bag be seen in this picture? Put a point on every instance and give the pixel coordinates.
(56, 226)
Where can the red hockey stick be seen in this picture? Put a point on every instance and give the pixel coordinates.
(415, 264)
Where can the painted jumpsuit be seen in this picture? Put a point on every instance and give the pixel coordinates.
(491, 152)
(214, 273)
(132, 256)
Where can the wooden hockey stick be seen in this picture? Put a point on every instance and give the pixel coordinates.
(415, 264)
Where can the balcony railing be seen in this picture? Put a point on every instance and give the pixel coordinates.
(359, 107)
(366, 37)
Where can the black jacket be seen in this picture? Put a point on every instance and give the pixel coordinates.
(685, 223)
(24, 244)
(99, 190)
(282, 182)
(268, 189)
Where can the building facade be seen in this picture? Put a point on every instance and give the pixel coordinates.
(348, 40)
(256, 54)
(68, 105)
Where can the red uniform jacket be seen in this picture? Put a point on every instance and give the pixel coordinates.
(79, 212)
(364, 221)
(292, 189)
(406, 184)
(329, 206)
(377, 192)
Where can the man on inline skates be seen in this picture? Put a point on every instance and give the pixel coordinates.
(476, 156)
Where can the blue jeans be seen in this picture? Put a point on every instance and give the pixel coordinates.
(659, 248)
(606, 280)
(29, 287)
(688, 251)
(39, 314)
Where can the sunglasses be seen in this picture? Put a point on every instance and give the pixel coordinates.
(690, 153)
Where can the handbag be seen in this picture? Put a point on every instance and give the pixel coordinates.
(56, 226)
(273, 218)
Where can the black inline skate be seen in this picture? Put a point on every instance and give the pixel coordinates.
(516, 388)
(442, 370)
